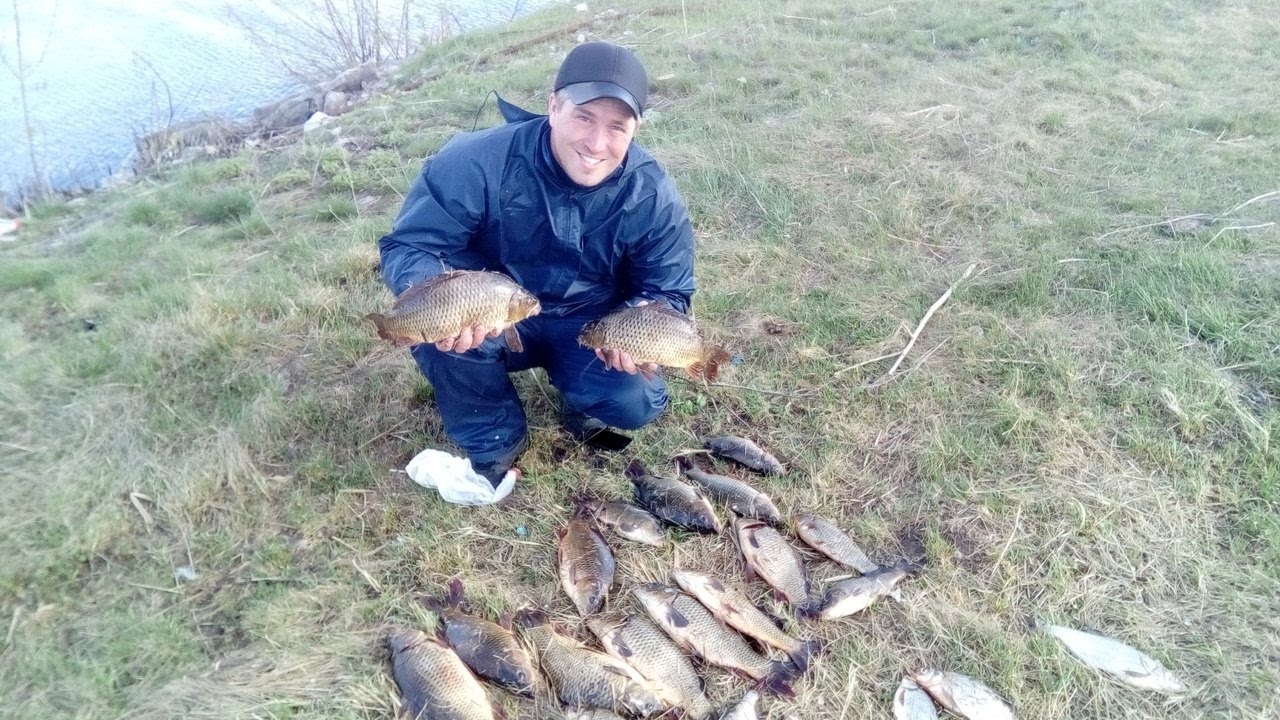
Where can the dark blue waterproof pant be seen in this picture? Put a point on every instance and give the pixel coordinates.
(482, 412)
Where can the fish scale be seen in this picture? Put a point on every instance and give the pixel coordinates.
(638, 642)
(585, 678)
(771, 557)
(655, 333)
(586, 565)
(434, 681)
(443, 306)
(827, 538)
(490, 650)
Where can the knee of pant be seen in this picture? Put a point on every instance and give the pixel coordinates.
(633, 410)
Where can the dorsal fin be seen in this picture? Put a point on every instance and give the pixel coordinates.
(662, 309)
(425, 287)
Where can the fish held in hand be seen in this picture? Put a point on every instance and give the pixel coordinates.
(584, 678)
(912, 703)
(854, 595)
(963, 695)
(433, 680)
(770, 556)
(443, 306)
(635, 640)
(673, 501)
(735, 610)
(655, 333)
(740, 496)
(695, 629)
(1127, 664)
(585, 564)
(490, 650)
(827, 538)
(747, 453)
(626, 520)
(745, 709)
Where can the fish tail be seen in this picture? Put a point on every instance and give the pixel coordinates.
(380, 322)
(778, 681)
(684, 464)
(531, 617)
(711, 364)
(803, 656)
(811, 608)
(456, 595)
(635, 469)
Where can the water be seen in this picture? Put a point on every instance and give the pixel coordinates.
(101, 73)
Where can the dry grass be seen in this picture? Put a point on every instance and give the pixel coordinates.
(1082, 433)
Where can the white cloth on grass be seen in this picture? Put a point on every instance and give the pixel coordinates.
(455, 479)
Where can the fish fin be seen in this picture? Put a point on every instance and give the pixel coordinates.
(803, 656)
(636, 470)
(418, 289)
(648, 374)
(403, 341)
(715, 358)
(694, 371)
(622, 647)
(433, 604)
(504, 621)
(664, 309)
(531, 617)
(778, 681)
(514, 344)
(753, 541)
(684, 464)
(895, 595)
(810, 609)
(380, 322)
(456, 596)
(748, 572)
(676, 618)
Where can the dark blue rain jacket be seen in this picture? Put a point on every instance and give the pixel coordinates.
(497, 200)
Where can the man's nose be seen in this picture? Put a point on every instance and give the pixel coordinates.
(597, 139)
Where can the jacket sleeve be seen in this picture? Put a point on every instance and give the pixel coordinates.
(442, 212)
(661, 262)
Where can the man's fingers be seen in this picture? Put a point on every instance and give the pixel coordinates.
(626, 364)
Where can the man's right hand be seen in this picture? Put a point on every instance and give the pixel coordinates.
(468, 339)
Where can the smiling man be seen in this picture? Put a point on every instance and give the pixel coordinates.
(567, 205)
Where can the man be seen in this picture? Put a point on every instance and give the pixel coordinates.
(573, 211)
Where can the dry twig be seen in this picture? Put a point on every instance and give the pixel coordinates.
(915, 335)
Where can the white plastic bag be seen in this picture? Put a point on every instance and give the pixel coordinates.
(455, 479)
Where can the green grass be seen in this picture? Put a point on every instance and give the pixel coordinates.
(1082, 433)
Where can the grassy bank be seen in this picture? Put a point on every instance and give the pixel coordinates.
(1082, 433)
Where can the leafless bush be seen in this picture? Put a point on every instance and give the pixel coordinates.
(316, 39)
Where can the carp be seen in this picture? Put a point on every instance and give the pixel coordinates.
(655, 333)
(673, 501)
(827, 538)
(490, 650)
(747, 453)
(433, 680)
(740, 496)
(585, 564)
(443, 306)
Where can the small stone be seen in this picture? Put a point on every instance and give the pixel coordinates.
(185, 573)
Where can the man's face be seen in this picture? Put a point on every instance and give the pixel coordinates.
(589, 141)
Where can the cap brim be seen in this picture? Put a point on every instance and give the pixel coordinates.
(585, 92)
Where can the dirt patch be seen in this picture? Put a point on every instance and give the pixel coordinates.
(911, 542)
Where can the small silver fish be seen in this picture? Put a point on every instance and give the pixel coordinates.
(963, 695)
(745, 709)
(827, 538)
(627, 520)
(740, 496)
(912, 703)
(747, 453)
(1127, 664)
(847, 597)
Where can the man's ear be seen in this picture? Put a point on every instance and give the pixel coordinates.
(552, 103)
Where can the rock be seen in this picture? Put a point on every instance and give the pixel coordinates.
(286, 114)
(354, 79)
(316, 122)
(335, 102)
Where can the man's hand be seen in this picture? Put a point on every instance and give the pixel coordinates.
(467, 339)
(615, 359)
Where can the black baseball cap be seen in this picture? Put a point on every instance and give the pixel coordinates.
(597, 70)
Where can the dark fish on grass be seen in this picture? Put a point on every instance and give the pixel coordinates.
(847, 597)
(770, 556)
(741, 497)
(490, 650)
(735, 610)
(627, 520)
(635, 640)
(827, 538)
(445, 305)
(655, 333)
(585, 563)
(433, 680)
(747, 453)
(673, 501)
(584, 678)
(694, 628)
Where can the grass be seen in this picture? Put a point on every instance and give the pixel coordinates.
(1083, 433)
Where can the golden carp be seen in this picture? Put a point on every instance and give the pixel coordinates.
(585, 563)
(770, 556)
(695, 629)
(847, 597)
(826, 537)
(490, 650)
(433, 681)
(1129, 665)
(638, 642)
(626, 520)
(963, 695)
(655, 333)
(584, 678)
(747, 453)
(912, 703)
(738, 495)
(731, 606)
(445, 305)
(673, 501)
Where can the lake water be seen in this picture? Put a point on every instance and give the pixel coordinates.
(100, 73)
